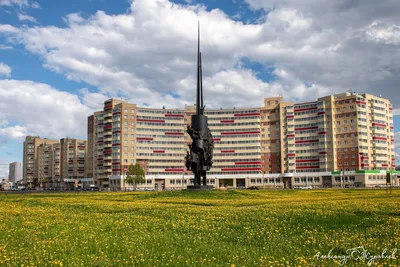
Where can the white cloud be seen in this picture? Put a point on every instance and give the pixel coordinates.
(15, 132)
(20, 3)
(4, 70)
(35, 5)
(42, 110)
(4, 168)
(23, 17)
(5, 47)
(309, 48)
(92, 100)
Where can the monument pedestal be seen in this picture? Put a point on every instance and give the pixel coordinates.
(199, 187)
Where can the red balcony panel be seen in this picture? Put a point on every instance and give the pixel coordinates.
(290, 116)
(144, 139)
(145, 120)
(365, 164)
(322, 133)
(361, 102)
(116, 170)
(117, 131)
(30, 154)
(106, 107)
(248, 163)
(107, 152)
(306, 141)
(307, 160)
(307, 167)
(100, 141)
(364, 157)
(81, 147)
(100, 124)
(175, 115)
(385, 165)
(291, 155)
(228, 151)
(323, 153)
(116, 144)
(116, 163)
(235, 133)
(108, 127)
(99, 158)
(99, 165)
(116, 113)
(174, 133)
(379, 138)
(158, 151)
(392, 159)
(290, 135)
(306, 128)
(174, 170)
(247, 115)
(240, 169)
(57, 148)
(304, 109)
(391, 127)
(392, 140)
(390, 108)
(378, 124)
(227, 121)
(322, 113)
(216, 139)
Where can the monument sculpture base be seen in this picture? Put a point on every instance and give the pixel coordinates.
(199, 187)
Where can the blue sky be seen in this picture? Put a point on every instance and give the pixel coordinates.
(74, 54)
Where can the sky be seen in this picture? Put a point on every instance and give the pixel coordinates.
(59, 60)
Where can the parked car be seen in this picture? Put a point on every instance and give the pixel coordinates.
(252, 188)
(305, 187)
(94, 188)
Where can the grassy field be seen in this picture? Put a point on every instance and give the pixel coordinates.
(213, 228)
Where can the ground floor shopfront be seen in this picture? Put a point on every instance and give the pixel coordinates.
(362, 179)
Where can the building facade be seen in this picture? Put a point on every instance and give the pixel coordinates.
(281, 144)
(51, 163)
(31, 157)
(15, 172)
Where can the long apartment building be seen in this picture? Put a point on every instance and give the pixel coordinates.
(53, 162)
(281, 144)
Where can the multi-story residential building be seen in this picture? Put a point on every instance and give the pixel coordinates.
(52, 163)
(30, 159)
(337, 140)
(90, 152)
(15, 172)
(72, 160)
(45, 163)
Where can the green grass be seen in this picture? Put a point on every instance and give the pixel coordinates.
(210, 228)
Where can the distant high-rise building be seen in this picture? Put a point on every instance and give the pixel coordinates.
(51, 161)
(30, 159)
(15, 172)
(73, 153)
(337, 139)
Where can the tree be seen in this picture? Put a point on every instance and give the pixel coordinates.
(135, 175)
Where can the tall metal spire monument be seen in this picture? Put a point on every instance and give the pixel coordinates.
(199, 159)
